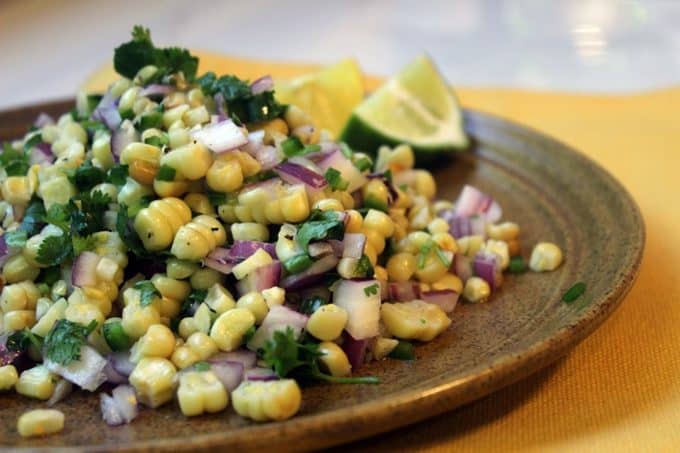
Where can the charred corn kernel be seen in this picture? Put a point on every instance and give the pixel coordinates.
(438, 225)
(37, 382)
(158, 223)
(203, 345)
(415, 320)
(154, 381)
(224, 175)
(500, 249)
(514, 248)
(274, 296)
(219, 299)
(401, 266)
(354, 221)
(137, 319)
(267, 400)
(249, 231)
(258, 259)
(327, 322)
(380, 273)
(424, 184)
(17, 190)
(375, 193)
(196, 115)
(545, 256)
(470, 245)
(179, 269)
(190, 161)
(158, 341)
(445, 242)
(374, 238)
(174, 114)
(229, 328)
(205, 278)
(255, 303)
(166, 189)
(137, 151)
(383, 346)
(40, 422)
(328, 204)
(200, 392)
(333, 359)
(448, 281)
(379, 222)
(55, 312)
(476, 290)
(187, 327)
(198, 238)
(505, 231)
(84, 313)
(143, 172)
(18, 320)
(199, 203)
(286, 246)
(8, 377)
(18, 269)
(433, 268)
(184, 357)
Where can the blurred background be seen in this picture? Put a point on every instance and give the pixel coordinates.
(48, 48)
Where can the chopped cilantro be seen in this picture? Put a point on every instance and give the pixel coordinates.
(425, 250)
(191, 303)
(133, 55)
(166, 173)
(372, 290)
(153, 119)
(319, 230)
(249, 334)
(202, 366)
(86, 176)
(297, 263)
(13, 161)
(54, 250)
(127, 234)
(50, 275)
(574, 292)
(117, 175)
(260, 176)
(34, 139)
(90, 217)
(292, 146)
(364, 268)
(83, 243)
(372, 202)
(64, 342)
(388, 176)
(312, 304)
(404, 350)
(517, 265)
(127, 114)
(363, 164)
(16, 239)
(335, 180)
(219, 198)
(59, 215)
(33, 217)
(92, 126)
(22, 340)
(158, 140)
(147, 292)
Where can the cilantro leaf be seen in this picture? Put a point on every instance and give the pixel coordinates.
(64, 342)
(127, 234)
(149, 120)
(147, 292)
(83, 243)
(90, 217)
(517, 265)
(59, 215)
(33, 220)
(54, 250)
(202, 366)
(158, 140)
(372, 290)
(86, 176)
(335, 180)
(16, 239)
(363, 164)
(117, 175)
(21, 340)
(319, 230)
(312, 304)
(364, 268)
(14, 162)
(166, 173)
(300, 359)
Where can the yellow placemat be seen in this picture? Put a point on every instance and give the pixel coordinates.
(619, 390)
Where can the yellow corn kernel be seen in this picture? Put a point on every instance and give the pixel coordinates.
(203, 345)
(36, 382)
(371, 254)
(40, 422)
(476, 290)
(445, 242)
(249, 231)
(93, 296)
(500, 249)
(8, 377)
(219, 299)
(198, 238)
(267, 400)
(470, 245)
(16, 190)
(416, 320)
(184, 357)
(158, 223)
(187, 326)
(55, 312)
(346, 267)
(158, 341)
(254, 302)
(197, 115)
(19, 296)
(154, 381)
(190, 161)
(274, 296)
(137, 151)
(229, 328)
(432, 270)
(179, 269)
(328, 204)
(380, 273)
(143, 172)
(354, 221)
(224, 175)
(448, 281)
(249, 165)
(295, 206)
(374, 238)
(327, 322)
(84, 313)
(165, 189)
(170, 287)
(199, 203)
(18, 269)
(505, 231)
(438, 225)
(137, 319)
(375, 193)
(333, 359)
(174, 114)
(379, 222)
(383, 346)
(401, 266)
(205, 278)
(202, 318)
(424, 184)
(200, 392)
(545, 256)
(18, 320)
(414, 242)
(258, 259)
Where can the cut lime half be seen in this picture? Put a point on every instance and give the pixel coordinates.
(416, 107)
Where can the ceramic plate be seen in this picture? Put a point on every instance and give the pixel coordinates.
(553, 192)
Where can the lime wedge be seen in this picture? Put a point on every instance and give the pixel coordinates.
(416, 107)
(327, 96)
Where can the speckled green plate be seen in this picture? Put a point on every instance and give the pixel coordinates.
(555, 194)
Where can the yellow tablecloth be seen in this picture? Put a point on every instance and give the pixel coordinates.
(619, 390)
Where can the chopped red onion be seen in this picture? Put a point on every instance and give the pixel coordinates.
(462, 266)
(221, 137)
(107, 112)
(4, 251)
(265, 83)
(7, 357)
(119, 408)
(261, 374)
(61, 391)
(294, 173)
(362, 304)
(319, 249)
(219, 266)
(403, 291)
(122, 137)
(242, 356)
(243, 249)
(446, 299)
(229, 373)
(120, 362)
(278, 318)
(353, 245)
(264, 277)
(335, 159)
(84, 270)
(88, 372)
(220, 105)
(156, 90)
(43, 120)
(112, 375)
(255, 142)
(41, 154)
(310, 275)
(110, 412)
(473, 201)
(355, 350)
(268, 157)
(488, 268)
